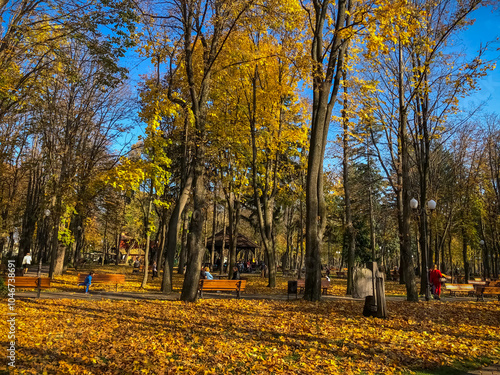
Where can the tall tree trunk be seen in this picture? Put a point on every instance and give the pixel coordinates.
(172, 236)
(263, 198)
(160, 256)
(465, 256)
(214, 228)
(406, 256)
(104, 243)
(30, 214)
(451, 258)
(351, 233)
(325, 89)
(370, 202)
(183, 254)
(58, 252)
(234, 219)
(148, 238)
(195, 238)
(485, 251)
(223, 245)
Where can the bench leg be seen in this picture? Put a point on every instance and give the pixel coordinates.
(39, 288)
(238, 293)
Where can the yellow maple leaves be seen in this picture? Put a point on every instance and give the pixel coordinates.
(220, 336)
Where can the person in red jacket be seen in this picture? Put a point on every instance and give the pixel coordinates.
(435, 280)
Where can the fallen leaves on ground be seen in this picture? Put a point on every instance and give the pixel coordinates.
(255, 283)
(231, 336)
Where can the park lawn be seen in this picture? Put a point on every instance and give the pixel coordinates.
(231, 336)
(255, 284)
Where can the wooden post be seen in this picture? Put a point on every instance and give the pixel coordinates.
(380, 292)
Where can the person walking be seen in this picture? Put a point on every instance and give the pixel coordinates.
(137, 265)
(155, 270)
(435, 280)
(26, 263)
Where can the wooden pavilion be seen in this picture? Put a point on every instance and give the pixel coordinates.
(243, 243)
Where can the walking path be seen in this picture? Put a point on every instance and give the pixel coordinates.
(490, 370)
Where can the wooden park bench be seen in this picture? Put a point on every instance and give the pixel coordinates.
(341, 274)
(26, 282)
(488, 290)
(301, 284)
(104, 278)
(237, 286)
(459, 288)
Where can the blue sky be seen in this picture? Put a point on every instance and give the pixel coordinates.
(485, 29)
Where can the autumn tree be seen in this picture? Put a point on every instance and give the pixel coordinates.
(419, 87)
(331, 25)
(198, 32)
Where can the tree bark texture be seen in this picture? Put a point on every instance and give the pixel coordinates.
(326, 83)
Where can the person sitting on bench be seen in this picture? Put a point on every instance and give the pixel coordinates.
(208, 275)
(236, 273)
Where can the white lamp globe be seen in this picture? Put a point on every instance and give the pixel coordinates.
(413, 203)
(431, 205)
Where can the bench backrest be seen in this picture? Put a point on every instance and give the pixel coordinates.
(103, 278)
(222, 284)
(493, 283)
(302, 283)
(477, 282)
(30, 282)
(459, 286)
(489, 289)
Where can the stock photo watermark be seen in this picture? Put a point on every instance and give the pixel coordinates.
(11, 313)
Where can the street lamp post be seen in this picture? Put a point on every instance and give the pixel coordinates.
(483, 259)
(431, 205)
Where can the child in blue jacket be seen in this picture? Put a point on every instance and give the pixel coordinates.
(87, 282)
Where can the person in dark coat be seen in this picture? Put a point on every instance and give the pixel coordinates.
(155, 270)
(236, 274)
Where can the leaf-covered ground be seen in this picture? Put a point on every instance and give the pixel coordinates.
(255, 284)
(231, 336)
